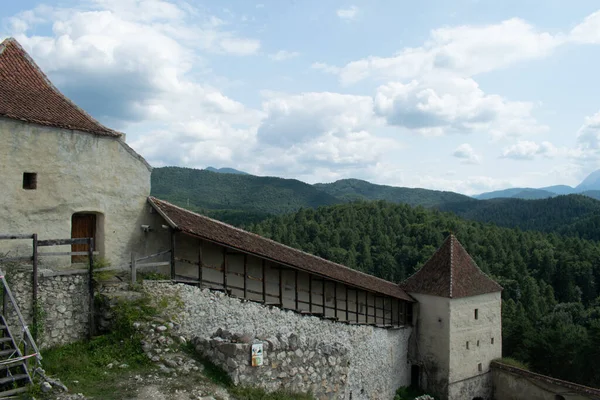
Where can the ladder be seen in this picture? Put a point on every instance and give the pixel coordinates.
(14, 375)
(15, 351)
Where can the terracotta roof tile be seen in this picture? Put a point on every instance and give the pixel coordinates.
(450, 272)
(227, 235)
(26, 94)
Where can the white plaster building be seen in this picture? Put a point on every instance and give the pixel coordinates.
(63, 174)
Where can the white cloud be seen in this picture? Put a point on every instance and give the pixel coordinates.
(527, 150)
(588, 31)
(321, 129)
(465, 50)
(283, 55)
(467, 155)
(434, 106)
(348, 14)
(330, 69)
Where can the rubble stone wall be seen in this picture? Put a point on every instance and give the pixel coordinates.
(63, 310)
(368, 362)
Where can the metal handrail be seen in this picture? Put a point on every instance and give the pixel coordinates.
(8, 292)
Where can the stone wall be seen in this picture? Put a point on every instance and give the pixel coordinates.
(511, 383)
(63, 301)
(377, 357)
(290, 362)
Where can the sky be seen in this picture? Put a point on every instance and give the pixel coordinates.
(463, 95)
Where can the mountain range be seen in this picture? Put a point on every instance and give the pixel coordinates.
(243, 199)
(590, 187)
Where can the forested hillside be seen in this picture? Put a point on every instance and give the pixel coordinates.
(573, 215)
(234, 198)
(355, 189)
(551, 308)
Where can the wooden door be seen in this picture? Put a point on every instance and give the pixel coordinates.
(82, 226)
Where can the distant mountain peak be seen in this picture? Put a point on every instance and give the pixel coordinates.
(226, 171)
(592, 182)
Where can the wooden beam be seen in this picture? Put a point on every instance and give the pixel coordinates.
(296, 288)
(375, 309)
(335, 299)
(366, 307)
(225, 268)
(310, 293)
(62, 242)
(347, 305)
(16, 236)
(35, 285)
(264, 281)
(172, 253)
(245, 276)
(200, 262)
(281, 286)
(356, 305)
(323, 294)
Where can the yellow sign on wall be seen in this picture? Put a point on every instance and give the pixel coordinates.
(257, 355)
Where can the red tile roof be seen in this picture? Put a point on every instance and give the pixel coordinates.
(450, 272)
(227, 235)
(26, 94)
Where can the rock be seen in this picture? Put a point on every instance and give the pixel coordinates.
(110, 365)
(46, 387)
(123, 366)
(161, 328)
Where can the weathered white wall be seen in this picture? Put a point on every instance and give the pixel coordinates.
(76, 172)
(433, 342)
(465, 379)
(378, 357)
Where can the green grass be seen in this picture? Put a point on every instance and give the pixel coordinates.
(85, 362)
(513, 363)
(408, 393)
(247, 393)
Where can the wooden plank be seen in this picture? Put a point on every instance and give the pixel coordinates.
(62, 242)
(347, 315)
(67, 253)
(356, 303)
(91, 287)
(245, 275)
(35, 283)
(9, 237)
(375, 309)
(15, 259)
(153, 255)
(145, 265)
(366, 307)
(133, 270)
(323, 295)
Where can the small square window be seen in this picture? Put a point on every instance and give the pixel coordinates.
(467, 345)
(29, 180)
(476, 313)
(479, 367)
(478, 343)
(492, 340)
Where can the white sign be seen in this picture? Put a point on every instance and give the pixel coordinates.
(257, 355)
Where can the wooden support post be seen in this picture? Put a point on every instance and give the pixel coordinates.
(335, 299)
(245, 276)
(133, 269)
(323, 296)
(367, 308)
(310, 293)
(225, 269)
(200, 263)
(91, 331)
(296, 289)
(356, 305)
(280, 286)
(172, 254)
(264, 281)
(347, 305)
(375, 309)
(35, 287)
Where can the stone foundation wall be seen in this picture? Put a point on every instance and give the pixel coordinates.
(63, 306)
(290, 362)
(377, 358)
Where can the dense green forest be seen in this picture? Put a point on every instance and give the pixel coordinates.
(551, 307)
(573, 215)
